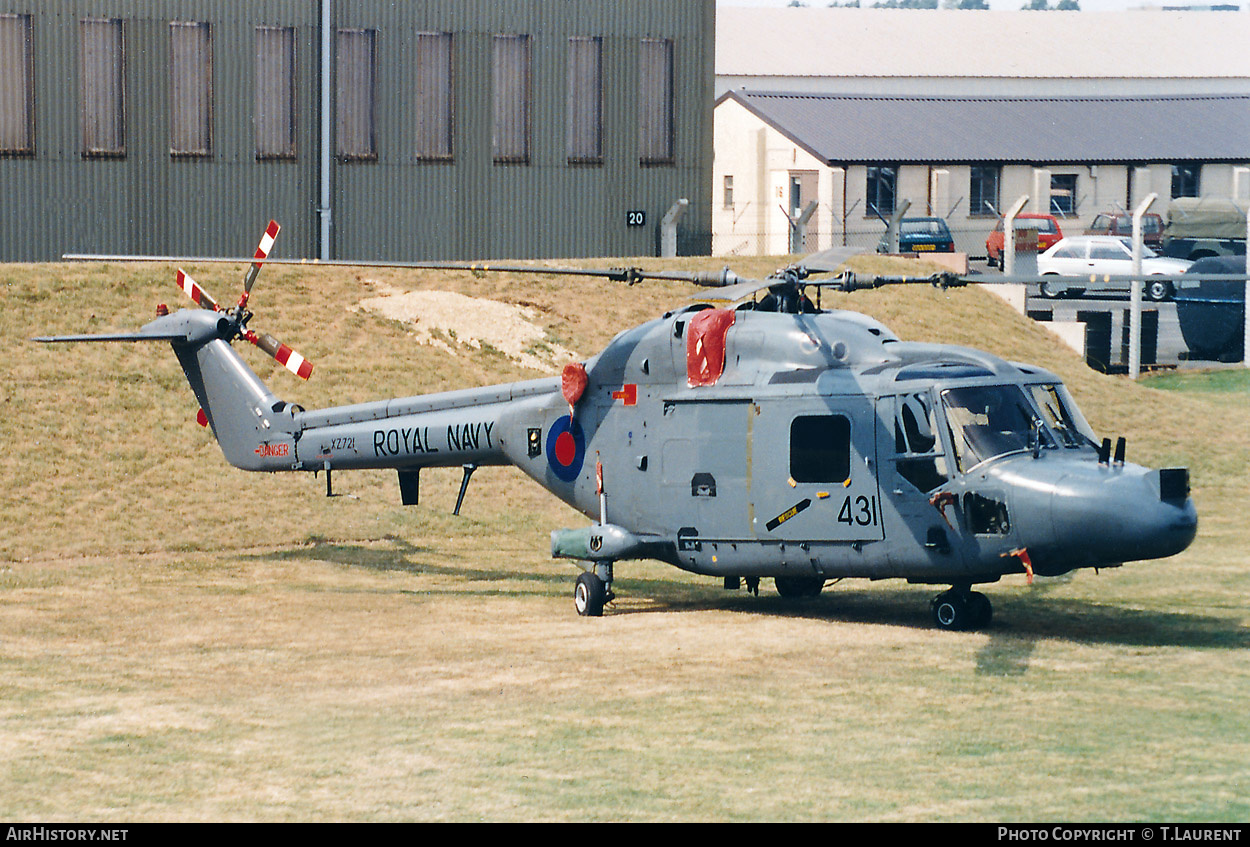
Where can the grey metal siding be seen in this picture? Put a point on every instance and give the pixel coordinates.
(399, 206)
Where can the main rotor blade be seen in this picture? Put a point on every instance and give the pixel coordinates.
(628, 275)
(831, 260)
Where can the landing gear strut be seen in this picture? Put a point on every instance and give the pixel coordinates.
(593, 589)
(960, 609)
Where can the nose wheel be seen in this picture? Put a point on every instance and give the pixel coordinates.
(961, 609)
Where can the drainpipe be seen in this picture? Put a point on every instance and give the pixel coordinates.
(324, 212)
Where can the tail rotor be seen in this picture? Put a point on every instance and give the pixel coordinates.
(234, 323)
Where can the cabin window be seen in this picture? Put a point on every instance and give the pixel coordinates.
(820, 448)
(920, 460)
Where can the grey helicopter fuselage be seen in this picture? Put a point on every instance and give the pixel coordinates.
(752, 444)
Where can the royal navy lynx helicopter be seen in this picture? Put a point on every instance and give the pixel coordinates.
(772, 439)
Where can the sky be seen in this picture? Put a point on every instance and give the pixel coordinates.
(998, 5)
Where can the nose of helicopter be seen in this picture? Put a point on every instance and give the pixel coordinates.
(1075, 513)
(1123, 513)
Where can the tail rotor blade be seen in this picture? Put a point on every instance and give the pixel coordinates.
(192, 289)
(285, 356)
(262, 253)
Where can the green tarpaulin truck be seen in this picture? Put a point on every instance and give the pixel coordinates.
(1201, 227)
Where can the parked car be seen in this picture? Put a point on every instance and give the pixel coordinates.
(1097, 255)
(1048, 234)
(1121, 223)
(921, 235)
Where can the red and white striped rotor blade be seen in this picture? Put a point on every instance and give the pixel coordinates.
(192, 289)
(262, 253)
(285, 356)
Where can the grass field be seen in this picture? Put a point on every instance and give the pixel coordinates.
(183, 641)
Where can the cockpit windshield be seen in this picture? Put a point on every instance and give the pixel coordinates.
(1062, 416)
(987, 421)
(992, 420)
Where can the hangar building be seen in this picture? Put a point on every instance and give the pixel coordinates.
(1084, 112)
(369, 129)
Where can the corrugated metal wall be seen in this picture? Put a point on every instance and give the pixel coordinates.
(392, 207)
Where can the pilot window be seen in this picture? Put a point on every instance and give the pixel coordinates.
(987, 421)
(820, 448)
(916, 441)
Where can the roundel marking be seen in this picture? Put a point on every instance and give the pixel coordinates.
(566, 448)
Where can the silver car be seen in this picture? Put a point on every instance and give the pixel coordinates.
(1092, 256)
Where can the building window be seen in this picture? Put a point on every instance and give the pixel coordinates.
(983, 190)
(1185, 180)
(511, 135)
(1063, 201)
(820, 448)
(435, 103)
(357, 80)
(880, 186)
(190, 89)
(102, 87)
(728, 202)
(585, 100)
(17, 86)
(274, 117)
(655, 101)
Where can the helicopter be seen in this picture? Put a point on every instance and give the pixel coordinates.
(743, 437)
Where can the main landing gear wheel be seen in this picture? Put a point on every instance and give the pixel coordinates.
(591, 593)
(961, 610)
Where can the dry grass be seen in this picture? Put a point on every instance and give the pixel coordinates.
(182, 641)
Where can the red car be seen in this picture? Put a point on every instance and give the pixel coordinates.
(1121, 223)
(1048, 234)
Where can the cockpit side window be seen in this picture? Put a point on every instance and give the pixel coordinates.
(920, 459)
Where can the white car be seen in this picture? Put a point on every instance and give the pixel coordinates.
(1098, 255)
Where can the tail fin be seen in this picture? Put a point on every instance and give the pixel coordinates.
(255, 430)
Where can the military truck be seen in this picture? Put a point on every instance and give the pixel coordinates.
(1202, 227)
